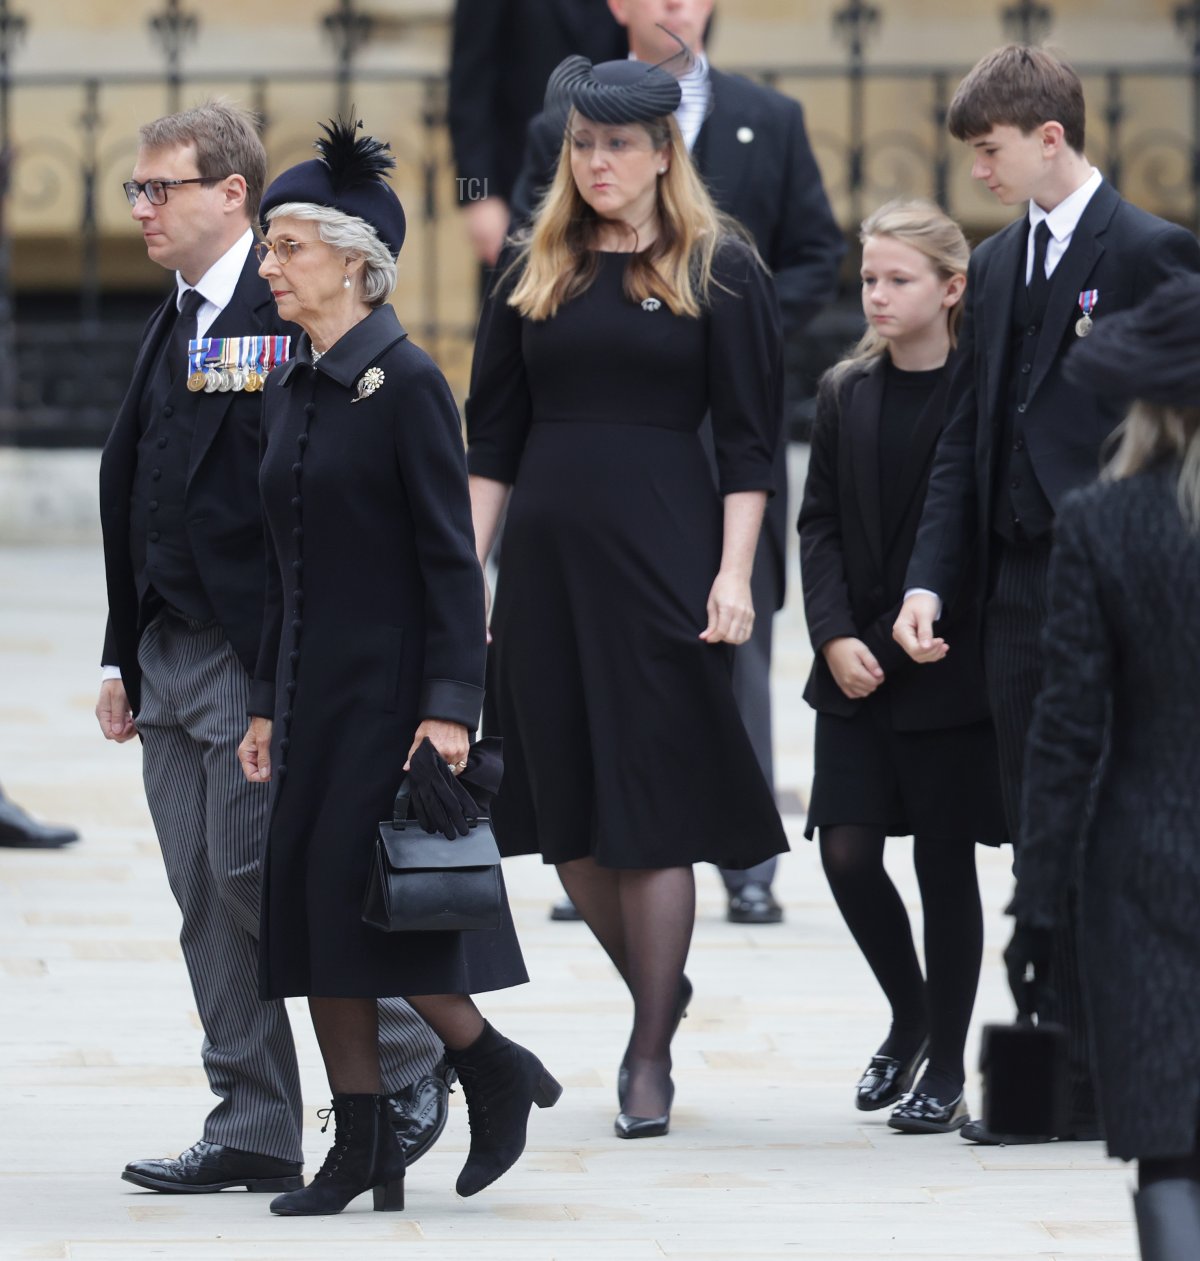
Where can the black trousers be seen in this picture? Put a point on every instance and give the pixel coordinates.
(1012, 655)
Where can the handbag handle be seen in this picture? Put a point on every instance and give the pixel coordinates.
(403, 805)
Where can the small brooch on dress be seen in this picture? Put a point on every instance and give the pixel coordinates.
(371, 380)
(650, 304)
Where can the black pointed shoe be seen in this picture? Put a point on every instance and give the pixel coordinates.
(919, 1113)
(626, 1126)
(419, 1114)
(366, 1156)
(206, 1167)
(753, 904)
(886, 1079)
(978, 1133)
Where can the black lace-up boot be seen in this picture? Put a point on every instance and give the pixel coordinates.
(501, 1082)
(366, 1156)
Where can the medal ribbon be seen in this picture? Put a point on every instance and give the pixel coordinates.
(1088, 299)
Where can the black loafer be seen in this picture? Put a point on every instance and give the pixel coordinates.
(419, 1114)
(753, 904)
(886, 1079)
(207, 1167)
(564, 911)
(919, 1113)
(19, 831)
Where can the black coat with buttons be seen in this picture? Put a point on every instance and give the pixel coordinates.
(221, 511)
(374, 622)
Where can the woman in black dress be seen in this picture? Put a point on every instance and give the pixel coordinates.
(373, 643)
(899, 750)
(630, 311)
(1113, 769)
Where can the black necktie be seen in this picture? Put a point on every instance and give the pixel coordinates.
(1038, 280)
(182, 332)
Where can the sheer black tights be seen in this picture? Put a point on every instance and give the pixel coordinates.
(939, 1007)
(644, 920)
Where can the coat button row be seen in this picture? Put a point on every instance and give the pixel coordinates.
(302, 441)
(310, 409)
(297, 468)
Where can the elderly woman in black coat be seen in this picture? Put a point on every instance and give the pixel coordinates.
(1114, 743)
(374, 643)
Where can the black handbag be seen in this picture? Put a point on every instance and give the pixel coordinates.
(420, 882)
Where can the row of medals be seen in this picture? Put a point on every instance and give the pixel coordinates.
(221, 380)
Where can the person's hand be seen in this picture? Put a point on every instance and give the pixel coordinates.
(254, 752)
(1027, 960)
(913, 630)
(487, 226)
(853, 666)
(440, 801)
(730, 611)
(451, 740)
(113, 712)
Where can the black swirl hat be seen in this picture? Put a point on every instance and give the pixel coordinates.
(1151, 352)
(613, 92)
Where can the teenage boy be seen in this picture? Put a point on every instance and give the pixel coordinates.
(1020, 437)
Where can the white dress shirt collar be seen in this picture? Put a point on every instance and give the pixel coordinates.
(1064, 218)
(217, 284)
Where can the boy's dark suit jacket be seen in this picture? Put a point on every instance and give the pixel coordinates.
(502, 55)
(223, 513)
(1117, 249)
(755, 158)
(852, 561)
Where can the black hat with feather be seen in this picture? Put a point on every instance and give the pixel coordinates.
(350, 176)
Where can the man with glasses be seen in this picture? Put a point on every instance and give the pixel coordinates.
(185, 556)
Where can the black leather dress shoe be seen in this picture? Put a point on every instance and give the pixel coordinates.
(626, 1126)
(753, 904)
(19, 831)
(564, 911)
(886, 1079)
(206, 1167)
(919, 1113)
(977, 1132)
(419, 1114)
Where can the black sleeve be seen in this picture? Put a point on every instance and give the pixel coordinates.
(1172, 251)
(543, 143)
(429, 453)
(822, 565)
(808, 245)
(1070, 721)
(947, 531)
(262, 685)
(108, 654)
(745, 370)
(475, 70)
(498, 405)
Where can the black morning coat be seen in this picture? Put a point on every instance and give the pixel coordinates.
(1121, 251)
(755, 158)
(852, 561)
(502, 54)
(224, 521)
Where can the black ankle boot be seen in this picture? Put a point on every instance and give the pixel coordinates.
(500, 1081)
(366, 1155)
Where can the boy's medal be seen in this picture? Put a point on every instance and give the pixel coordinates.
(1087, 304)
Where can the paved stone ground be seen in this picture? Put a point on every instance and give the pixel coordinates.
(767, 1156)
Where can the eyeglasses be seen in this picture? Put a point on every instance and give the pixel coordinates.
(156, 190)
(283, 249)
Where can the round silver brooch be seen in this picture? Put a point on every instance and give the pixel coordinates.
(650, 304)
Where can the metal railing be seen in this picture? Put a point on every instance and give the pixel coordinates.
(63, 368)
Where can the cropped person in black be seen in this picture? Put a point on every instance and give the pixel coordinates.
(898, 751)
(631, 310)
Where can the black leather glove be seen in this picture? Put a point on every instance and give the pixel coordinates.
(1027, 958)
(440, 802)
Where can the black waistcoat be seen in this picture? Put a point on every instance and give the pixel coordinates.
(163, 562)
(1021, 511)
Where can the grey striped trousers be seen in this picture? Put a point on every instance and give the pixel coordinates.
(211, 825)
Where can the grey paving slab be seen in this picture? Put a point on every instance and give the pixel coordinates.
(767, 1156)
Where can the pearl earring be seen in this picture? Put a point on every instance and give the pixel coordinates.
(662, 170)
(346, 282)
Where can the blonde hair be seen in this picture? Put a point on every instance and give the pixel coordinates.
(929, 230)
(1153, 432)
(556, 259)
